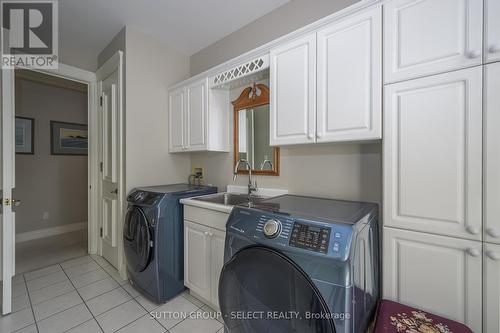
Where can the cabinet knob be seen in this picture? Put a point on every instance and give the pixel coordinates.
(474, 54)
(493, 255)
(310, 136)
(493, 232)
(495, 48)
(318, 135)
(206, 233)
(473, 252)
(472, 230)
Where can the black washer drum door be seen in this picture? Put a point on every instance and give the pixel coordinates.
(136, 238)
(261, 290)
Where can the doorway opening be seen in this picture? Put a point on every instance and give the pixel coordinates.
(51, 169)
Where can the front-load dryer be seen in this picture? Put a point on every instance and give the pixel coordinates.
(153, 238)
(300, 264)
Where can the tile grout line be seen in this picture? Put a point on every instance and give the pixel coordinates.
(31, 304)
(88, 309)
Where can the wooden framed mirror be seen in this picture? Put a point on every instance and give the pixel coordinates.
(251, 132)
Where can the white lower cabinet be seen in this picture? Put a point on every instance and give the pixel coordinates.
(203, 260)
(197, 258)
(434, 273)
(491, 315)
(217, 240)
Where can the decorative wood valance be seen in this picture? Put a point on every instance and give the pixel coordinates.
(252, 97)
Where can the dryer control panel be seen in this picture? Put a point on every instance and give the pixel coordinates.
(310, 237)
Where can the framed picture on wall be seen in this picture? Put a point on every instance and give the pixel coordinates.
(25, 135)
(68, 138)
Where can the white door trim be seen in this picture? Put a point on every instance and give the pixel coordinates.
(89, 78)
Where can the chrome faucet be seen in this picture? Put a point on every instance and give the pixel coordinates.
(251, 186)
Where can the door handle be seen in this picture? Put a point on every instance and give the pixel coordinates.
(10, 202)
(114, 191)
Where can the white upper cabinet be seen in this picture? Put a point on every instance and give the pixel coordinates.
(425, 37)
(196, 115)
(293, 92)
(492, 31)
(491, 317)
(176, 101)
(350, 79)
(198, 121)
(433, 154)
(492, 154)
(441, 275)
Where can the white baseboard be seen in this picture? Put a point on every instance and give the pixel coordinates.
(47, 232)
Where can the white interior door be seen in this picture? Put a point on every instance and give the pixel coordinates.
(109, 78)
(7, 184)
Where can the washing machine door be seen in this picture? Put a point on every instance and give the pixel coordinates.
(136, 239)
(261, 290)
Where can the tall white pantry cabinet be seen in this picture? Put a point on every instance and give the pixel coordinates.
(442, 158)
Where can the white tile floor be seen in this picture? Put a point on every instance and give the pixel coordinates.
(88, 295)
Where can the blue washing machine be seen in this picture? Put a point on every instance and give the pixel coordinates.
(153, 238)
(300, 264)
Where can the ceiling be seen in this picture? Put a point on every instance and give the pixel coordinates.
(87, 26)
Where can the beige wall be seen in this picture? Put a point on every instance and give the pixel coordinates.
(342, 171)
(150, 68)
(285, 19)
(45, 182)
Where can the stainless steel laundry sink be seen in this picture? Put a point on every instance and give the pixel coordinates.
(229, 199)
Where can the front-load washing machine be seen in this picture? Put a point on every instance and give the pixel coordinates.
(153, 238)
(300, 264)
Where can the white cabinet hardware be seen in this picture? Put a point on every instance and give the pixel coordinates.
(493, 232)
(474, 252)
(472, 230)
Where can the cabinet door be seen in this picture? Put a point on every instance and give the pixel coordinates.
(196, 115)
(492, 153)
(423, 37)
(432, 154)
(197, 258)
(492, 31)
(491, 289)
(176, 100)
(216, 262)
(438, 274)
(293, 92)
(350, 79)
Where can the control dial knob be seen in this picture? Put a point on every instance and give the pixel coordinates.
(272, 228)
